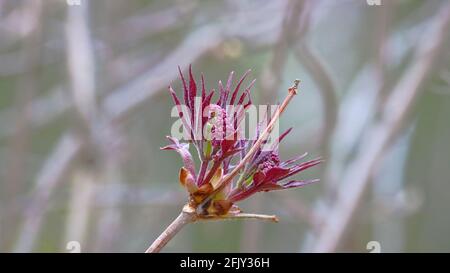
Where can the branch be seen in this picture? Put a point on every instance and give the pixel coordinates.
(186, 216)
(189, 215)
(20, 142)
(51, 174)
(240, 216)
(320, 72)
(80, 62)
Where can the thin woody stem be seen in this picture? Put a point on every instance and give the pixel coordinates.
(240, 216)
(228, 178)
(186, 216)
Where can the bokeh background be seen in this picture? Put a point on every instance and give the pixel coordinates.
(84, 110)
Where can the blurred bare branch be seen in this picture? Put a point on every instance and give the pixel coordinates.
(81, 68)
(55, 167)
(380, 136)
(80, 123)
(130, 95)
(20, 141)
(321, 74)
(149, 22)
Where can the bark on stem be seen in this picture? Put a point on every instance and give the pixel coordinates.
(271, 218)
(186, 216)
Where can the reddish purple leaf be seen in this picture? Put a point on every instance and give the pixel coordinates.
(183, 151)
(238, 86)
(185, 89)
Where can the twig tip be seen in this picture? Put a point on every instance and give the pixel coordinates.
(295, 86)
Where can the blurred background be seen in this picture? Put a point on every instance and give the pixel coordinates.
(84, 109)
